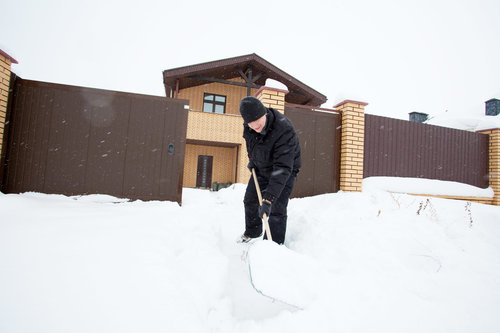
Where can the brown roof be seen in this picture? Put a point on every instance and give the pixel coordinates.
(225, 69)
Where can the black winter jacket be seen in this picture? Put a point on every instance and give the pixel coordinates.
(274, 153)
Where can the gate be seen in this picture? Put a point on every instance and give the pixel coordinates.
(319, 135)
(74, 140)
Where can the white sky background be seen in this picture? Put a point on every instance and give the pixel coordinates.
(398, 56)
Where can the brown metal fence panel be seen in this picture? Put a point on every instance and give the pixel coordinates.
(319, 137)
(399, 148)
(74, 140)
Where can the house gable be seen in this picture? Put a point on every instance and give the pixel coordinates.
(251, 70)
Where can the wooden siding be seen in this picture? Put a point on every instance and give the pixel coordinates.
(399, 148)
(224, 163)
(234, 95)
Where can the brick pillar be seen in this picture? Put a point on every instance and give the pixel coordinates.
(5, 64)
(352, 145)
(272, 98)
(494, 162)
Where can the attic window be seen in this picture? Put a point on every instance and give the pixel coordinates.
(214, 103)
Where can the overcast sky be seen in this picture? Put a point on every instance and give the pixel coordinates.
(398, 56)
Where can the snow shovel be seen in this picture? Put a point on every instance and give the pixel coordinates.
(284, 276)
(265, 217)
(281, 274)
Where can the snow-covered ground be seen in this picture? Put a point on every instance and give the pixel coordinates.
(369, 262)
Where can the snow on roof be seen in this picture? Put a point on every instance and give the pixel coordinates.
(270, 83)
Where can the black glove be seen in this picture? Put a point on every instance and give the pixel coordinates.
(265, 208)
(250, 165)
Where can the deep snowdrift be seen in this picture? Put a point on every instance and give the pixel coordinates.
(372, 261)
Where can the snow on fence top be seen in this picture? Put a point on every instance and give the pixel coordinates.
(425, 186)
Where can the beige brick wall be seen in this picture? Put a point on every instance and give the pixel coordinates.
(223, 168)
(352, 145)
(234, 94)
(213, 127)
(5, 65)
(494, 163)
(272, 98)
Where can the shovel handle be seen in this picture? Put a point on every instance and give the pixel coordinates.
(264, 218)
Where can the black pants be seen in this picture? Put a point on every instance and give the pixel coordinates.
(277, 220)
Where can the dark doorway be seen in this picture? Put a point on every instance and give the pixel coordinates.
(204, 173)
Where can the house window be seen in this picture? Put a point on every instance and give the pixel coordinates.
(214, 103)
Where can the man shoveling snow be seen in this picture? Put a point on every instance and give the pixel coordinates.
(274, 153)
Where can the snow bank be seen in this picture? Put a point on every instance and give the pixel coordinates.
(425, 186)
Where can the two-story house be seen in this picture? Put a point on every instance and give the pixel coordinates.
(215, 149)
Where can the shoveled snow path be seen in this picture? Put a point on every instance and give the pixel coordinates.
(244, 301)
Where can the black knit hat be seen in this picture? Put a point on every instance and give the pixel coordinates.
(251, 109)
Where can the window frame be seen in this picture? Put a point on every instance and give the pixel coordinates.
(214, 103)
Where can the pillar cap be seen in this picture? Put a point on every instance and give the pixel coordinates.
(261, 89)
(350, 101)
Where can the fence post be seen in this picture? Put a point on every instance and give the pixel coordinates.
(494, 162)
(5, 64)
(352, 145)
(272, 97)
